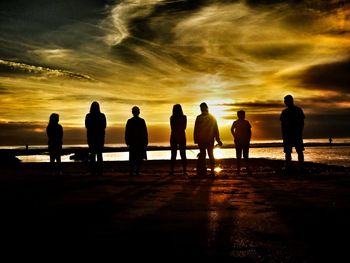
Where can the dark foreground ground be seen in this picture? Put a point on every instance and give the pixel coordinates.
(269, 216)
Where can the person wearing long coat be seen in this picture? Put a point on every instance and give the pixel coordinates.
(136, 138)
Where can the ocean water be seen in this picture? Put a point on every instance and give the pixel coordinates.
(333, 155)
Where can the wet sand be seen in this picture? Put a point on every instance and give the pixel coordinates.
(269, 216)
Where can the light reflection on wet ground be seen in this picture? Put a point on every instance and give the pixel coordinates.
(328, 155)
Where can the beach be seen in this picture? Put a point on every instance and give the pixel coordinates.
(268, 216)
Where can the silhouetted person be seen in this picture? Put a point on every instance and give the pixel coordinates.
(136, 137)
(178, 124)
(292, 124)
(241, 131)
(330, 140)
(205, 132)
(95, 124)
(54, 133)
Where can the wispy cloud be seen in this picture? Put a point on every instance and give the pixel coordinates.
(48, 72)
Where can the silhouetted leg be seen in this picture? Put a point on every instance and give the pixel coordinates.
(238, 157)
(92, 163)
(99, 163)
(138, 164)
(211, 158)
(288, 160)
(288, 154)
(301, 160)
(52, 164)
(201, 165)
(58, 159)
(132, 165)
(246, 158)
(183, 159)
(131, 161)
(173, 158)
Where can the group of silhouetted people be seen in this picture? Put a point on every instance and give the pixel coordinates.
(206, 132)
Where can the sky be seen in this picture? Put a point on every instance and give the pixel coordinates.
(60, 56)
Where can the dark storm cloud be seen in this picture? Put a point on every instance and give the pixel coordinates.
(322, 103)
(325, 104)
(21, 133)
(317, 125)
(329, 76)
(326, 124)
(276, 50)
(8, 127)
(4, 91)
(48, 14)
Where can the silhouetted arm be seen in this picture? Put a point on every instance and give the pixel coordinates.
(233, 129)
(60, 132)
(87, 124)
(196, 131)
(184, 122)
(302, 117)
(145, 133)
(127, 132)
(104, 121)
(172, 123)
(216, 132)
(283, 123)
(250, 130)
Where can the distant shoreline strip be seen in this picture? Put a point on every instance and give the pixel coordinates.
(107, 149)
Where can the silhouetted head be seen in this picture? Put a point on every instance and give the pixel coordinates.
(204, 107)
(241, 114)
(95, 107)
(177, 110)
(54, 118)
(135, 111)
(288, 100)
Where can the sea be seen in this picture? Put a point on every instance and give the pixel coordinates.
(329, 154)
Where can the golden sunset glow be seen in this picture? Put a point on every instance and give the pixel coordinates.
(217, 169)
(218, 153)
(156, 53)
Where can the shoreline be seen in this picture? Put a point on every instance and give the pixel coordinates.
(227, 168)
(71, 150)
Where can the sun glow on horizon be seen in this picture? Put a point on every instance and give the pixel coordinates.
(219, 108)
(218, 153)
